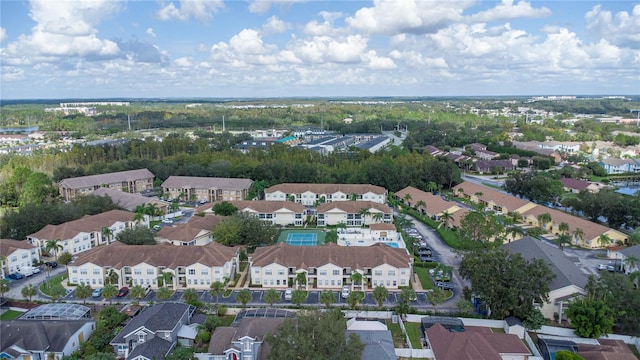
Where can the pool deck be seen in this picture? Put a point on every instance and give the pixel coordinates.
(364, 237)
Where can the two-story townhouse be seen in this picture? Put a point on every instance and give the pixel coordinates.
(210, 189)
(197, 232)
(312, 194)
(427, 203)
(620, 166)
(154, 332)
(329, 266)
(131, 181)
(353, 213)
(491, 199)
(129, 201)
(126, 265)
(83, 234)
(15, 254)
(274, 212)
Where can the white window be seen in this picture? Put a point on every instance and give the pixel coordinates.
(137, 271)
(192, 271)
(392, 272)
(150, 271)
(268, 272)
(323, 272)
(204, 272)
(83, 271)
(96, 271)
(378, 273)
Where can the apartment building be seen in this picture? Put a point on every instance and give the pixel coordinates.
(313, 194)
(131, 181)
(206, 189)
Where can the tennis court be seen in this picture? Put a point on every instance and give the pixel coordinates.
(302, 238)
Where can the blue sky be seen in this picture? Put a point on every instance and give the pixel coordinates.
(216, 48)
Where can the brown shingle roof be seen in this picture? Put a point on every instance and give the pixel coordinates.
(97, 180)
(509, 202)
(263, 206)
(207, 183)
(608, 349)
(190, 230)
(125, 200)
(8, 246)
(435, 204)
(574, 183)
(119, 255)
(353, 207)
(591, 229)
(473, 345)
(295, 188)
(356, 257)
(87, 223)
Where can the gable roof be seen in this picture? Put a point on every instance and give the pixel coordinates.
(192, 229)
(574, 183)
(566, 272)
(298, 188)
(631, 251)
(354, 207)
(119, 255)
(591, 229)
(36, 335)
(109, 178)
(473, 345)
(263, 206)
(355, 257)
(378, 344)
(434, 203)
(155, 348)
(488, 194)
(87, 223)
(196, 182)
(125, 200)
(256, 328)
(159, 317)
(8, 246)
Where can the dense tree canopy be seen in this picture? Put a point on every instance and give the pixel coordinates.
(316, 336)
(507, 282)
(138, 235)
(245, 229)
(535, 186)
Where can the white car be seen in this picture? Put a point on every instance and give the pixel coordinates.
(345, 292)
(288, 294)
(167, 221)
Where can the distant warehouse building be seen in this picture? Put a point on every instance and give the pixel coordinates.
(374, 144)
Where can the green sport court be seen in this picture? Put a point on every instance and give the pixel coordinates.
(302, 237)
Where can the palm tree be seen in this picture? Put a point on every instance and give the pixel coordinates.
(298, 297)
(355, 298)
(57, 292)
(436, 297)
(152, 210)
(215, 289)
(271, 296)
(380, 293)
(407, 295)
(544, 219)
(301, 279)
(516, 232)
(29, 291)
(4, 286)
(402, 309)
(53, 245)
(190, 296)
(445, 219)
(163, 294)
(432, 187)
(166, 278)
(578, 235)
(364, 212)
(356, 277)
(563, 239)
(377, 217)
(112, 277)
(107, 233)
(421, 204)
(83, 291)
(632, 262)
(563, 227)
(460, 192)
(243, 297)
(137, 292)
(604, 240)
(327, 298)
(109, 291)
(515, 217)
(174, 206)
(354, 197)
(407, 198)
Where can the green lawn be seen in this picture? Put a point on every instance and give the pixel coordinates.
(425, 279)
(413, 330)
(396, 334)
(10, 315)
(56, 280)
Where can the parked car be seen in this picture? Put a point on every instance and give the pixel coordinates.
(167, 221)
(15, 276)
(157, 227)
(51, 264)
(345, 292)
(288, 294)
(425, 258)
(602, 267)
(96, 293)
(444, 285)
(123, 291)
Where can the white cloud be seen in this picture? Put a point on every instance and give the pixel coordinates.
(248, 42)
(3, 34)
(392, 17)
(275, 26)
(621, 29)
(326, 27)
(506, 11)
(151, 32)
(184, 62)
(373, 61)
(321, 49)
(201, 10)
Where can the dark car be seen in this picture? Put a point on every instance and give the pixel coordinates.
(15, 276)
(123, 291)
(425, 258)
(444, 285)
(51, 264)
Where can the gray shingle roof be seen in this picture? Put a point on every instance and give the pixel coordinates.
(163, 316)
(378, 344)
(631, 251)
(110, 178)
(155, 348)
(35, 335)
(207, 183)
(566, 272)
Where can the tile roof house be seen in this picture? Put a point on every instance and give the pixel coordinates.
(83, 234)
(191, 266)
(16, 254)
(131, 181)
(37, 339)
(196, 232)
(576, 185)
(310, 194)
(620, 166)
(330, 266)
(209, 189)
(275, 212)
(569, 280)
(490, 198)
(154, 332)
(475, 343)
(129, 201)
(491, 166)
(242, 340)
(429, 204)
(353, 213)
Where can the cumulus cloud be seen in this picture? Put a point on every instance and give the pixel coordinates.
(151, 32)
(186, 61)
(621, 29)
(3, 34)
(142, 51)
(375, 62)
(326, 27)
(321, 49)
(506, 10)
(275, 26)
(201, 10)
(392, 17)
